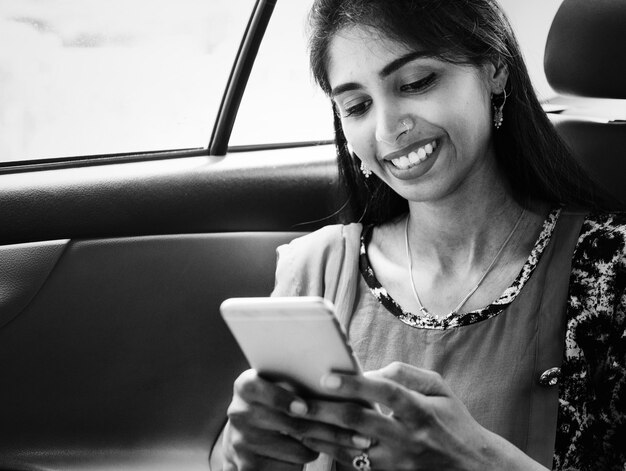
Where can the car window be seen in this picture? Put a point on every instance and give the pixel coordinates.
(86, 77)
(282, 105)
(531, 20)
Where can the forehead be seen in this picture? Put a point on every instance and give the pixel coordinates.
(357, 51)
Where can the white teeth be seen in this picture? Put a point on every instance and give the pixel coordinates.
(414, 157)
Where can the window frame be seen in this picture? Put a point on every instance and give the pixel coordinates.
(240, 73)
(222, 125)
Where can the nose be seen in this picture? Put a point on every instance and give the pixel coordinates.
(391, 128)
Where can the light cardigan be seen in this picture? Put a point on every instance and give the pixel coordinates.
(591, 428)
(324, 263)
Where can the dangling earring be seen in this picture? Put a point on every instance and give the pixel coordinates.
(365, 170)
(498, 114)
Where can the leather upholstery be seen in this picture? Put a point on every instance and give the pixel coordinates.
(600, 147)
(176, 195)
(584, 56)
(24, 270)
(584, 53)
(122, 360)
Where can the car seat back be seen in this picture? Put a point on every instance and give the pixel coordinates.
(584, 57)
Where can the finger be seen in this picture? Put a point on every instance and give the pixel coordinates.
(244, 415)
(229, 467)
(257, 463)
(255, 390)
(333, 434)
(374, 390)
(426, 382)
(328, 424)
(356, 419)
(377, 458)
(255, 443)
(342, 454)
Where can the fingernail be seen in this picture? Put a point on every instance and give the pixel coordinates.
(331, 381)
(361, 442)
(298, 407)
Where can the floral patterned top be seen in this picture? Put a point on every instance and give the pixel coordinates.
(591, 431)
(591, 428)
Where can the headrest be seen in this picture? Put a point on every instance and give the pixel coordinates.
(585, 52)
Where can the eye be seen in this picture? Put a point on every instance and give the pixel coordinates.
(356, 109)
(419, 85)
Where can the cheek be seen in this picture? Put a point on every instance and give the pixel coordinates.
(469, 120)
(480, 121)
(361, 140)
(464, 108)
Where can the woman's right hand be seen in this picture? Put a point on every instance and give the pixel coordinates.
(263, 427)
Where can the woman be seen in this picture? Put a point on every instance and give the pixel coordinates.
(470, 272)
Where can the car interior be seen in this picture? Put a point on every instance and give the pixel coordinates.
(113, 354)
(583, 60)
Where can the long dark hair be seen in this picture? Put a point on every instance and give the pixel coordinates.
(530, 153)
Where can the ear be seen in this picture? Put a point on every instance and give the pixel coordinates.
(497, 76)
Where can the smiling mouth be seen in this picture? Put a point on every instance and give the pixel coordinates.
(414, 157)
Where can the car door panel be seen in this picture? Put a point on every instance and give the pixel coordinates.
(115, 356)
(25, 268)
(242, 191)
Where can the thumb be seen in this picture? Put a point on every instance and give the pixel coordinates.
(426, 382)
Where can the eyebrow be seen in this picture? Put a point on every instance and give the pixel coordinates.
(385, 71)
(402, 60)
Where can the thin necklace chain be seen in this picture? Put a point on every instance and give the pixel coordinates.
(473, 290)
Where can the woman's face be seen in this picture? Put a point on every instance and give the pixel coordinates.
(422, 125)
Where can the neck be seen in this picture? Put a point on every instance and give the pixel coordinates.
(463, 229)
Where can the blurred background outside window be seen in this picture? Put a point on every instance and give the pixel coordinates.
(83, 77)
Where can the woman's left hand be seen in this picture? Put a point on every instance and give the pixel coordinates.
(428, 428)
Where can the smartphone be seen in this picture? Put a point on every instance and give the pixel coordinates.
(295, 340)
